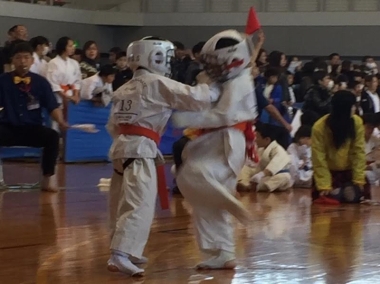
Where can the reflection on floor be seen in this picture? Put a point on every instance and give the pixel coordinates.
(63, 238)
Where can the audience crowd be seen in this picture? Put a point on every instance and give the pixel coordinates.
(284, 86)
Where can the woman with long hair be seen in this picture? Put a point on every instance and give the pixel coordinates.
(338, 150)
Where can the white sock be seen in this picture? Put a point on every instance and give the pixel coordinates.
(217, 262)
(123, 264)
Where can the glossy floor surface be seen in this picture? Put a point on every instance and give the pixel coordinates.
(63, 238)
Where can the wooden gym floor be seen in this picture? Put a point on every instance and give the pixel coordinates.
(63, 238)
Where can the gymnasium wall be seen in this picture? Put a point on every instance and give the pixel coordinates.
(103, 35)
(296, 40)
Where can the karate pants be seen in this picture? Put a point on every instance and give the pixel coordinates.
(132, 205)
(210, 191)
(281, 181)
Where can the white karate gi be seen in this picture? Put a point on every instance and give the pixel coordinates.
(275, 159)
(93, 86)
(147, 101)
(299, 154)
(212, 162)
(372, 150)
(63, 72)
(39, 66)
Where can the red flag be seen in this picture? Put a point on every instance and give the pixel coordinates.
(253, 24)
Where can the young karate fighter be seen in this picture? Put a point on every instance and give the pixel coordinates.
(300, 155)
(211, 162)
(272, 172)
(98, 88)
(141, 109)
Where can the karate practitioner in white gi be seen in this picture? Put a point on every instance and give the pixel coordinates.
(212, 162)
(140, 112)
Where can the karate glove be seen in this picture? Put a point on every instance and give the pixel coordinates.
(257, 177)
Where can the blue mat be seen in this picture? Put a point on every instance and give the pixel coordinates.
(87, 147)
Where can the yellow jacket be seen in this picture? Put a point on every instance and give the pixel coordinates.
(326, 158)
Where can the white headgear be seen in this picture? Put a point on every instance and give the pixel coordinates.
(225, 63)
(151, 53)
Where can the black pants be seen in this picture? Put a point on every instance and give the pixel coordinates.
(178, 147)
(37, 136)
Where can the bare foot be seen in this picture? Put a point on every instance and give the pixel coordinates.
(47, 186)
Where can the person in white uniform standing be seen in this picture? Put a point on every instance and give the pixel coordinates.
(212, 162)
(140, 111)
(41, 48)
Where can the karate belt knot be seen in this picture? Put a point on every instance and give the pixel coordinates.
(129, 129)
(250, 137)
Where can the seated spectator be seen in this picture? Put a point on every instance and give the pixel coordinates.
(124, 73)
(114, 51)
(370, 101)
(318, 97)
(305, 80)
(40, 45)
(301, 169)
(89, 65)
(98, 88)
(272, 172)
(195, 66)
(338, 149)
(23, 95)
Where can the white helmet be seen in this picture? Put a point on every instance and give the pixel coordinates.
(151, 53)
(225, 63)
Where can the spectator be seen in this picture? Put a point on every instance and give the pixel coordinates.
(40, 46)
(356, 88)
(64, 73)
(180, 63)
(23, 95)
(334, 62)
(16, 34)
(261, 61)
(306, 80)
(89, 65)
(277, 60)
(338, 153)
(318, 97)
(77, 56)
(114, 51)
(195, 66)
(370, 102)
(98, 88)
(370, 66)
(124, 73)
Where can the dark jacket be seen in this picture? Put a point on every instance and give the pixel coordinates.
(317, 100)
(366, 103)
(179, 68)
(192, 72)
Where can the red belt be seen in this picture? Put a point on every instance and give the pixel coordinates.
(66, 88)
(250, 137)
(128, 129)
